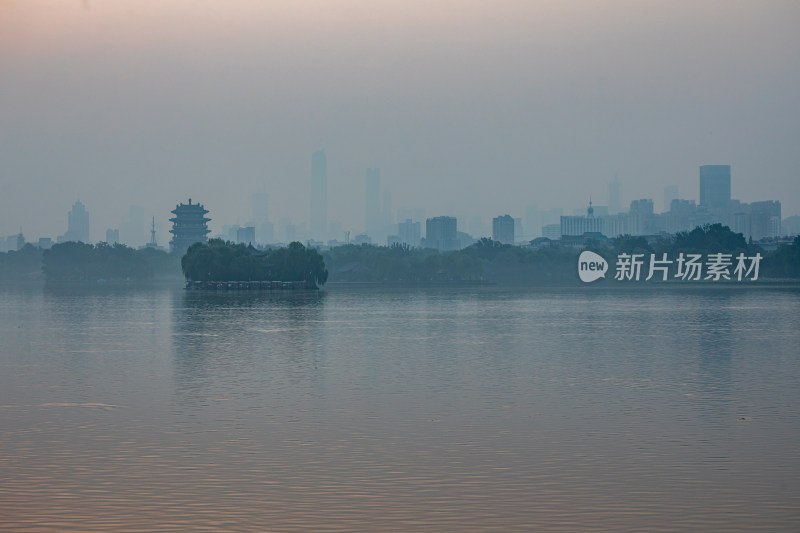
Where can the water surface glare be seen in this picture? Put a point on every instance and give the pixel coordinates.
(376, 409)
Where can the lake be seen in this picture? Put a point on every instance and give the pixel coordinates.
(380, 409)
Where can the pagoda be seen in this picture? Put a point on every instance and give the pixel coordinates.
(188, 226)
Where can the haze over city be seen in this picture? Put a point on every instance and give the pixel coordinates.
(467, 108)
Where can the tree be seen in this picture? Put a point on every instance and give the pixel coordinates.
(219, 260)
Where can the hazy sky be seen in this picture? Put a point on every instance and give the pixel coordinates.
(467, 107)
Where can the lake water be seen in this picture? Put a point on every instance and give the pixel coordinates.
(472, 409)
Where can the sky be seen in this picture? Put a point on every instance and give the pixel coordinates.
(467, 107)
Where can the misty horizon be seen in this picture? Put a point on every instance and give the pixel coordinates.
(469, 110)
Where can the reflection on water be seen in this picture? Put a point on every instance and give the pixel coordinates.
(368, 410)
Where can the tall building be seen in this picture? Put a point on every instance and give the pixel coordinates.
(715, 187)
(408, 232)
(373, 219)
(189, 225)
(503, 229)
(757, 220)
(319, 195)
(77, 224)
(441, 233)
(641, 220)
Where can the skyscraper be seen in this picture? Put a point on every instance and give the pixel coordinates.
(373, 219)
(441, 233)
(503, 229)
(77, 224)
(715, 187)
(319, 195)
(408, 232)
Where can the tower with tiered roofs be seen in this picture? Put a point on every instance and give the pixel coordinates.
(189, 225)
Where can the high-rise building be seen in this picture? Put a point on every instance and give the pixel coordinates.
(503, 229)
(77, 224)
(319, 195)
(715, 187)
(640, 217)
(189, 225)
(441, 233)
(408, 232)
(757, 220)
(373, 219)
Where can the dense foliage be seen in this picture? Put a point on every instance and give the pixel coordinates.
(486, 260)
(219, 260)
(784, 262)
(77, 261)
(21, 264)
(491, 261)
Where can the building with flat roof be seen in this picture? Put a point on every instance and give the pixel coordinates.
(77, 224)
(578, 225)
(441, 233)
(503, 229)
(715, 187)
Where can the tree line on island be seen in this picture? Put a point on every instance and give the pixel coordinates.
(219, 260)
(485, 261)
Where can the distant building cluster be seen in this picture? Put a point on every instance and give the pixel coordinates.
(757, 220)
(412, 227)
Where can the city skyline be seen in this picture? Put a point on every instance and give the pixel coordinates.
(466, 109)
(752, 218)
